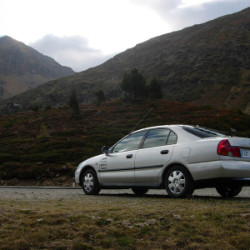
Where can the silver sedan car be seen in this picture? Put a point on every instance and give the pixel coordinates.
(179, 158)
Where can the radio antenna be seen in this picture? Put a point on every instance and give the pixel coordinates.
(147, 113)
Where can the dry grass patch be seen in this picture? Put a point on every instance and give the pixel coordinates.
(125, 222)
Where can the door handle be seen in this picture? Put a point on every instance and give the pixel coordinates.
(164, 152)
(129, 156)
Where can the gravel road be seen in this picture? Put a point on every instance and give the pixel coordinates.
(51, 193)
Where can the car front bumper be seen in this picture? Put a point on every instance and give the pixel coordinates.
(77, 176)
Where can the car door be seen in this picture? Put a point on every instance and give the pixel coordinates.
(155, 152)
(117, 168)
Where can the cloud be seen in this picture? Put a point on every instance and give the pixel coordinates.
(204, 11)
(159, 4)
(72, 51)
(111, 26)
(183, 13)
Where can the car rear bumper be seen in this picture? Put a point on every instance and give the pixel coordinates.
(220, 169)
(238, 169)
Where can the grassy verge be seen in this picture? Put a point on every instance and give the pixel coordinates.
(125, 222)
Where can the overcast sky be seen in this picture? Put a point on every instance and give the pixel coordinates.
(84, 33)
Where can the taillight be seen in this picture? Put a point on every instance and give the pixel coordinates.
(225, 148)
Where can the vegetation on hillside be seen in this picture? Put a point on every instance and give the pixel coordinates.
(155, 89)
(49, 144)
(135, 88)
(73, 102)
(100, 96)
(134, 85)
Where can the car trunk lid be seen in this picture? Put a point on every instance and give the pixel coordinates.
(244, 147)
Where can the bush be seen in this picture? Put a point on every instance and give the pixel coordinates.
(8, 157)
(11, 170)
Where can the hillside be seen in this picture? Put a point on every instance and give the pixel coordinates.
(44, 147)
(205, 64)
(23, 68)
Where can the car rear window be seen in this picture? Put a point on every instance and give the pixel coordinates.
(201, 132)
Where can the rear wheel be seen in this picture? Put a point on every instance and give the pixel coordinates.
(229, 191)
(178, 182)
(90, 184)
(139, 190)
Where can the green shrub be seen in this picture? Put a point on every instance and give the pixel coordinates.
(8, 157)
(20, 171)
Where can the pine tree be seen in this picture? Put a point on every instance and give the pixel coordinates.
(155, 89)
(100, 96)
(73, 102)
(134, 85)
(125, 84)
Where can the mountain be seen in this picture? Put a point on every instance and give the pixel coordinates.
(207, 64)
(23, 68)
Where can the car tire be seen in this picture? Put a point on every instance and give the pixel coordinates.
(178, 182)
(90, 184)
(139, 191)
(229, 191)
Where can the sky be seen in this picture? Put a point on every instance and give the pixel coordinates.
(85, 33)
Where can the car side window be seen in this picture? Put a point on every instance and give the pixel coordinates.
(156, 138)
(172, 139)
(131, 142)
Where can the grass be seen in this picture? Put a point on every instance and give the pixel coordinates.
(125, 222)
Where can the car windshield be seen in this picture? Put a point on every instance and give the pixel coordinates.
(202, 132)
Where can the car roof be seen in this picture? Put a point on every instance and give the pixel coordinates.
(160, 126)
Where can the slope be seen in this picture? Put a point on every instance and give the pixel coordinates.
(23, 68)
(38, 147)
(205, 64)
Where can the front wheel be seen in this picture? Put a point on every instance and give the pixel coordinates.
(178, 182)
(90, 184)
(229, 191)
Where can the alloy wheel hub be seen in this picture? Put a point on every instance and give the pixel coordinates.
(176, 182)
(88, 182)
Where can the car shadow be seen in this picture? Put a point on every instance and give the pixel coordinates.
(197, 197)
(160, 196)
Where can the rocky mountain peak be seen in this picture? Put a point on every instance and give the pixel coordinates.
(23, 68)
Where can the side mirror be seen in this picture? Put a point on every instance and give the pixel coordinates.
(105, 150)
